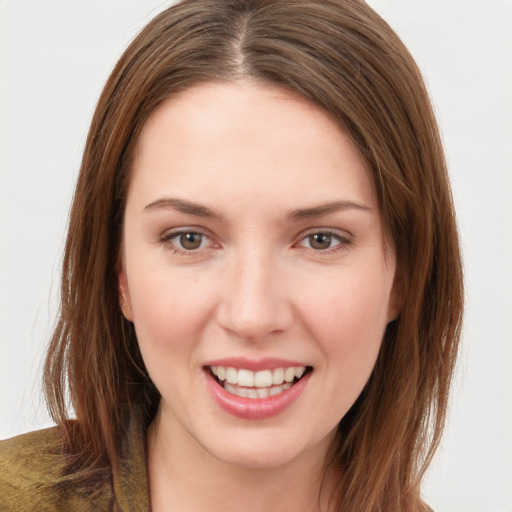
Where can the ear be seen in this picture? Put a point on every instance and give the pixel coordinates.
(396, 297)
(124, 293)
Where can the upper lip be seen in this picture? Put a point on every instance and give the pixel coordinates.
(254, 364)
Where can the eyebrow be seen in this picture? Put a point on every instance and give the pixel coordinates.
(183, 206)
(191, 208)
(325, 209)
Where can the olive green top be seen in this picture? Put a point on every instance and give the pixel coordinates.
(32, 477)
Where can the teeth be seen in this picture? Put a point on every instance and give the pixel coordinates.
(262, 392)
(245, 378)
(252, 393)
(256, 392)
(289, 374)
(299, 371)
(275, 391)
(261, 379)
(278, 376)
(232, 375)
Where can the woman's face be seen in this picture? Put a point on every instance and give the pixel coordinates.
(254, 271)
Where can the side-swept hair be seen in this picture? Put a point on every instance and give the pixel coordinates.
(343, 57)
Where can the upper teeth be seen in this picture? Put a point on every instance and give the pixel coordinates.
(261, 379)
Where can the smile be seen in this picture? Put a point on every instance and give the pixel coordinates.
(260, 384)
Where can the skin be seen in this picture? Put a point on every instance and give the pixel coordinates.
(259, 285)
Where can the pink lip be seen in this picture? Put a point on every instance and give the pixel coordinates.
(255, 408)
(255, 366)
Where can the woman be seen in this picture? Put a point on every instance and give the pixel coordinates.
(262, 292)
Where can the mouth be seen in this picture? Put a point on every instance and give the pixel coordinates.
(260, 384)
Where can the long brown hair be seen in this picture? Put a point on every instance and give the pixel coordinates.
(342, 56)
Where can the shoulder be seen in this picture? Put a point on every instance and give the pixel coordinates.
(32, 475)
(29, 458)
(27, 464)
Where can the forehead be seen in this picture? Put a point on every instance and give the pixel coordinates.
(232, 141)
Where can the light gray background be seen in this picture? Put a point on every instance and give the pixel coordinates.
(54, 59)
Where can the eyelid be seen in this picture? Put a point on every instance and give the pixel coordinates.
(339, 233)
(166, 237)
(344, 238)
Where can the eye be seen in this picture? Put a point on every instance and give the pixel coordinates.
(186, 241)
(323, 241)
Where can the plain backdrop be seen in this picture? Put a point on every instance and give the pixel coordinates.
(55, 56)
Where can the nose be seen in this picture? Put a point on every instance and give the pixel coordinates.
(254, 302)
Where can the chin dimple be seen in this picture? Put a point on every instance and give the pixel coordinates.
(261, 384)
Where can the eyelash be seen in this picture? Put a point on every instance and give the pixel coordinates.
(343, 241)
(166, 239)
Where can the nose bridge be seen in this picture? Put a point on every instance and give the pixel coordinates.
(254, 302)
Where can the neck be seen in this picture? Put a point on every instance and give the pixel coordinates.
(184, 476)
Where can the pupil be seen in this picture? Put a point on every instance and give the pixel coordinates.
(320, 241)
(190, 241)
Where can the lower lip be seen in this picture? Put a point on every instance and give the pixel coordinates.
(256, 408)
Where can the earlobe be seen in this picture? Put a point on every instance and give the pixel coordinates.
(395, 299)
(124, 295)
(394, 308)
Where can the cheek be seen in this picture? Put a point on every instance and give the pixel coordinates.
(168, 310)
(348, 318)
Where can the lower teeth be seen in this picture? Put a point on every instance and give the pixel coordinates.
(256, 392)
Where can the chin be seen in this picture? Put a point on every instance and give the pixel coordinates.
(270, 450)
(258, 459)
